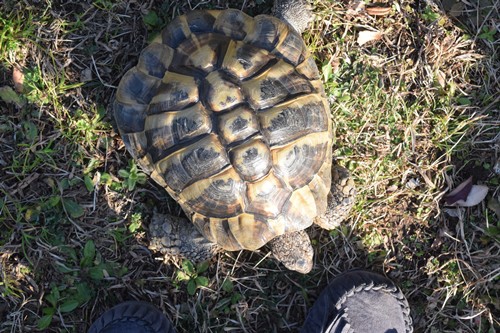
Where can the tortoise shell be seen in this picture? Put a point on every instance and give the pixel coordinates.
(228, 113)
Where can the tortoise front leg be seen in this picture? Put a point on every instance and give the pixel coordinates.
(297, 13)
(177, 236)
(340, 199)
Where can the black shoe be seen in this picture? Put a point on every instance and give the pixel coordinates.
(360, 301)
(132, 317)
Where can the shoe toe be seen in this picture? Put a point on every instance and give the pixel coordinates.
(132, 317)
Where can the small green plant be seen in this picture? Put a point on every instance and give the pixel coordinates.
(230, 298)
(80, 276)
(96, 268)
(109, 180)
(86, 127)
(9, 285)
(135, 222)
(106, 5)
(63, 299)
(132, 176)
(17, 27)
(429, 15)
(488, 33)
(9, 95)
(327, 71)
(152, 20)
(192, 275)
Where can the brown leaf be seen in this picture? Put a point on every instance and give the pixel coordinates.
(460, 192)
(466, 194)
(355, 7)
(441, 78)
(378, 11)
(366, 36)
(18, 78)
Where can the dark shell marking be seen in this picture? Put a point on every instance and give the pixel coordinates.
(228, 113)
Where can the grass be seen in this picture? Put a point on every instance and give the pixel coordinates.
(415, 113)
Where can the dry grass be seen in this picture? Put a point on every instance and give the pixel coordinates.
(416, 112)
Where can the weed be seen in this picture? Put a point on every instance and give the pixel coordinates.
(132, 176)
(429, 14)
(105, 5)
(488, 33)
(81, 276)
(191, 274)
(135, 222)
(16, 28)
(229, 298)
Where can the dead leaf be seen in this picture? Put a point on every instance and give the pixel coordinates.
(466, 194)
(441, 78)
(8, 95)
(366, 36)
(460, 192)
(453, 7)
(412, 184)
(494, 205)
(86, 75)
(496, 167)
(378, 11)
(453, 212)
(476, 195)
(18, 78)
(355, 7)
(457, 9)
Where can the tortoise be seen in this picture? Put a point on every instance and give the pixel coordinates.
(228, 113)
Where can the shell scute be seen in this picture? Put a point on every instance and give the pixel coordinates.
(291, 48)
(251, 159)
(168, 129)
(274, 85)
(238, 125)
(176, 32)
(299, 209)
(175, 92)
(218, 196)
(233, 23)
(130, 118)
(301, 160)
(267, 196)
(200, 160)
(137, 143)
(201, 51)
(266, 33)
(155, 59)
(244, 60)
(294, 119)
(137, 87)
(201, 21)
(309, 69)
(251, 231)
(221, 93)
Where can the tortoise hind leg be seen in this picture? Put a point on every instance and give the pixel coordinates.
(294, 250)
(340, 199)
(177, 236)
